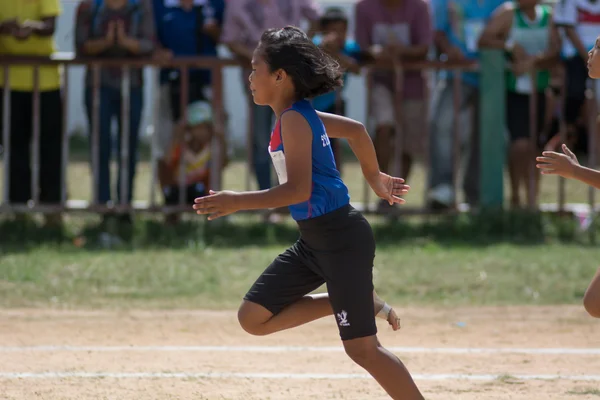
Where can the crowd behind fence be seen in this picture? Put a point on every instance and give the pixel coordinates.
(486, 147)
(216, 66)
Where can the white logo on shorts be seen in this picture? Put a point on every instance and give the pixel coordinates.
(343, 317)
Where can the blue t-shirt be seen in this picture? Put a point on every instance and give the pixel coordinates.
(328, 191)
(180, 31)
(463, 21)
(326, 101)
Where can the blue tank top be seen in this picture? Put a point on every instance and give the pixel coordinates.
(328, 191)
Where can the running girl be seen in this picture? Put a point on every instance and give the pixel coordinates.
(336, 244)
(567, 166)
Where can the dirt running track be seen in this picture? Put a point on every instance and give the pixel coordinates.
(209, 357)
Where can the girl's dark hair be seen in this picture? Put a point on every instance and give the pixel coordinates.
(313, 71)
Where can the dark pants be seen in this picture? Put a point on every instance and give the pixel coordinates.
(50, 150)
(576, 75)
(518, 116)
(441, 142)
(110, 108)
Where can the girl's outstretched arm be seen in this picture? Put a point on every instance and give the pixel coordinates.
(296, 170)
(385, 186)
(567, 166)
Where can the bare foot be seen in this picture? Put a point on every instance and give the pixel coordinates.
(391, 317)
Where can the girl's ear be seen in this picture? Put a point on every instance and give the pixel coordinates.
(280, 75)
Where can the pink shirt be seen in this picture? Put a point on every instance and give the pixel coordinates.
(246, 20)
(410, 23)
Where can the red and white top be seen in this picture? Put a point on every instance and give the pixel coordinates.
(584, 15)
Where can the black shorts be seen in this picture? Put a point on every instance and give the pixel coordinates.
(517, 116)
(337, 249)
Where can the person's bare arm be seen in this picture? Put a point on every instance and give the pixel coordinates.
(588, 176)
(297, 141)
(358, 138)
(442, 43)
(549, 58)
(84, 45)
(7, 26)
(349, 63)
(241, 51)
(573, 36)
(567, 166)
(385, 186)
(420, 35)
(496, 31)
(413, 53)
(386, 54)
(143, 42)
(94, 47)
(45, 27)
(213, 30)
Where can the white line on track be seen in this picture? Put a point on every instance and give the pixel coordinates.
(226, 375)
(291, 349)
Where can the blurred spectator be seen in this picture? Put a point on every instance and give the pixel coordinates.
(554, 97)
(115, 29)
(245, 21)
(458, 25)
(580, 22)
(576, 133)
(192, 142)
(26, 28)
(185, 28)
(332, 38)
(525, 30)
(396, 30)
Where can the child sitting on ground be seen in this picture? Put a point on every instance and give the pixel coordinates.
(191, 140)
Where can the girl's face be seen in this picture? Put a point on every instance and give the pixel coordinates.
(593, 63)
(263, 83)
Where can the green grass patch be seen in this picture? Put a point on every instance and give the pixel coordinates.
(466, 260)
(585, 392)
(480, 259)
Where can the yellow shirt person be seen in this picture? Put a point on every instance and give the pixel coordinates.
(26, 29)
(23, 32)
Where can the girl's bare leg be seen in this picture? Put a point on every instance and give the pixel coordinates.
(257, 320)
(385, 367)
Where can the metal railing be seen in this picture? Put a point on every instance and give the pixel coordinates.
(216, 66)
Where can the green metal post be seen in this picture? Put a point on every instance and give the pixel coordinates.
(492, 115)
